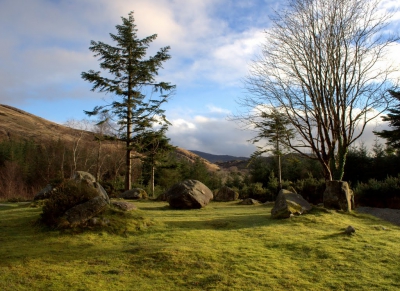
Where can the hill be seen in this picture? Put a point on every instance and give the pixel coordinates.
(218, 158)
(16, 124)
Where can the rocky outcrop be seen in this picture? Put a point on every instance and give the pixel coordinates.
(226, 194)
(134, 194)
(288, 203)
(339, 196)
(189, 194)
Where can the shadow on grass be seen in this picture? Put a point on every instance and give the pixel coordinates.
(226, 223)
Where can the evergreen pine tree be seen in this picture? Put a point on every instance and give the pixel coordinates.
(128, 74)
(392, 136)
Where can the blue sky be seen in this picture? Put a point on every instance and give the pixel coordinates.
(44, 49)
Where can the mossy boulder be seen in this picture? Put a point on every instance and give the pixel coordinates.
(288, 203)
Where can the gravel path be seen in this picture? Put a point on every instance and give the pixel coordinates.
(391, 215)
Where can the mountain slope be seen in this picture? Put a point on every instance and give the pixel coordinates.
(218, 158)
(16, 124)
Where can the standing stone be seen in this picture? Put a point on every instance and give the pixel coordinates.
(288, 203)
(189, 194)
(338, 195)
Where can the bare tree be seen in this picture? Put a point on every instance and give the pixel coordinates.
(321, 65)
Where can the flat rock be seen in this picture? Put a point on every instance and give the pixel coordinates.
(124, 205)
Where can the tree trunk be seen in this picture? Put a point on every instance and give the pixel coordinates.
(152, 180)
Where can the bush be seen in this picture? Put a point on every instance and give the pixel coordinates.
(67, 195)
(311, 189)
(383, 194)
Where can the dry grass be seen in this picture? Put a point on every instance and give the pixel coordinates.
(224, 246)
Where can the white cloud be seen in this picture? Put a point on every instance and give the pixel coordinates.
(218, 110)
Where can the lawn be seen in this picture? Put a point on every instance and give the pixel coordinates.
(224, 246)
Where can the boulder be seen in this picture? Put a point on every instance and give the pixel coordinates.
(226, 194)
(83, 212)
(249, 201)
(288, 203)
(338, 195)
(123, 205)
(189, 194)
(135, 193)
(89, 179)
(45, 193)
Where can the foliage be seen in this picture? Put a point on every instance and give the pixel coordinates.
(383, 194)
(133, 71)
(68, 194)
(316, 67)
(392, 136)
(311, 189)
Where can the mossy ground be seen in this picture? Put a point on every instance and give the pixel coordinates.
(224, 246)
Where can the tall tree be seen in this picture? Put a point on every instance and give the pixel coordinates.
(129, 74)
(321, 65)
(392, 136)
(273, 126)
(154, 145)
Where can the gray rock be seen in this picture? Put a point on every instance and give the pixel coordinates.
(288, 203)
(45, 193)
(249, 201)
(189, 194)
(89, 179)
(349, 230)
(226, 194)
(134, 194)
(81, 213)
(123, 205)
(338, 195)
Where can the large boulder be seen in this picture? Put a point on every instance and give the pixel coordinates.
(288, 203)
(89, 179)
(189, 194)
(339, 196)
(83, 212)
(226, 194)
(134, 194)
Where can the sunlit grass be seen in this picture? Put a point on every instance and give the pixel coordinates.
(224, 246)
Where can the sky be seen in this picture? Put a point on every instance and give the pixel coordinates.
(44, 48)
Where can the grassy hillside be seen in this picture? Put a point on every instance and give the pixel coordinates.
(224, 246)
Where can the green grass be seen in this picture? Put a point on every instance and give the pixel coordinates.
(224, 246)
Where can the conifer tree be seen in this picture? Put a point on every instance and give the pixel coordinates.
(273, 126)
(128, 75)
(392, 136)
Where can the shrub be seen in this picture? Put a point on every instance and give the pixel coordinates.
(384, 194)
(311, 189)
(68, 194)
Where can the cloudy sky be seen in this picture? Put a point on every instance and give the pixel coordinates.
(44, 49)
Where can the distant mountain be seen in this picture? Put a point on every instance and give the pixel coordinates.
(218, 158)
